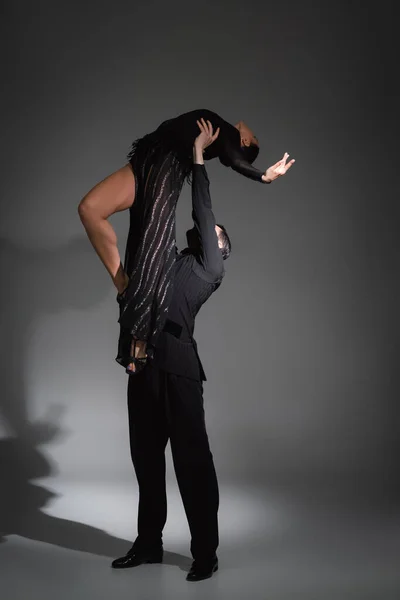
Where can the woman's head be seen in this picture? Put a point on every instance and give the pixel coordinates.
(248, 141)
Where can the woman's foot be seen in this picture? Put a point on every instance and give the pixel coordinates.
(138, 357)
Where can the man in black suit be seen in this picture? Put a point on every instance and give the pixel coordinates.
(165, 399)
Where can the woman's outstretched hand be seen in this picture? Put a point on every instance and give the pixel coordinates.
(206, 136)
(278, 169)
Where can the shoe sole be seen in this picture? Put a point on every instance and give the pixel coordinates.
(145, 562)
(203, 578)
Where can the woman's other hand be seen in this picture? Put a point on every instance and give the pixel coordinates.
(278, 169)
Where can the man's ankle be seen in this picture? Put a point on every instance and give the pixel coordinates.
(142, 543)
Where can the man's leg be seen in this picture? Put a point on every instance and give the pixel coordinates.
(193, 462)
(148, 439)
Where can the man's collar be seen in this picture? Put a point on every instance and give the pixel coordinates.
(186, 252)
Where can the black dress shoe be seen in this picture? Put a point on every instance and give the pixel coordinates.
(138, 556)
(202, 569)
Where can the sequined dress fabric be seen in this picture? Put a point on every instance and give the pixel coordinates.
(151, 248)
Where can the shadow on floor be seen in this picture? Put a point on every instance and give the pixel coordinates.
(38, 281)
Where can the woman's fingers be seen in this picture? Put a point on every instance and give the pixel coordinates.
(283, 169)
(290, 164)
(276, 165)
(281, 162)
(284, 159)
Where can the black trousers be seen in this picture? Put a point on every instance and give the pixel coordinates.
(165, 406)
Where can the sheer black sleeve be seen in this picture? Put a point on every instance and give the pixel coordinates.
(231, 156)
(210, 259)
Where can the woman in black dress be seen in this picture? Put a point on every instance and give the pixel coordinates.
(150, 185)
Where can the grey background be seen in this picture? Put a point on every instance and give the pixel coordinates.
(299, 343)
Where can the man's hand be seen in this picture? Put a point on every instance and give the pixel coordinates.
(204, 139)
(278, 169)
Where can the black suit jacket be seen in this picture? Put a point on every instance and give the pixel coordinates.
(197, 275)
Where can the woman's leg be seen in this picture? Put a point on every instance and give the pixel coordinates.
(113, 194)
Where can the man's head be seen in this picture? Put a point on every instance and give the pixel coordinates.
(248, 141)
(224, 242)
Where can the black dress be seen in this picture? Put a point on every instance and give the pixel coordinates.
(161, 161)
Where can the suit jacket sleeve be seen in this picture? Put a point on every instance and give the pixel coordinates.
(210, 261)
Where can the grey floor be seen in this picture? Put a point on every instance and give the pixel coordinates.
(277, 543)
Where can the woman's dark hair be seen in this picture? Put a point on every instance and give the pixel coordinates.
(250, 153)
(225, 241)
